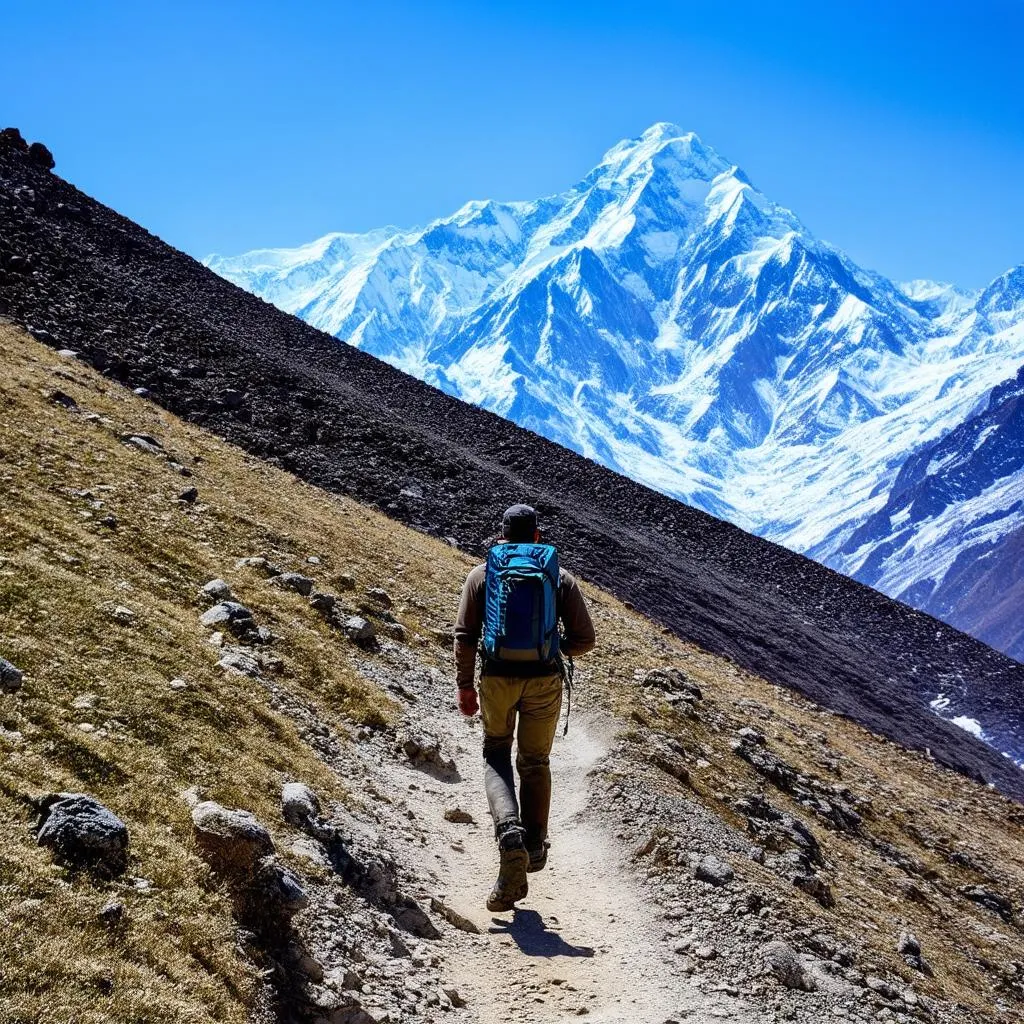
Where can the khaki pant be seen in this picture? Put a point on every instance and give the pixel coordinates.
(536, 703)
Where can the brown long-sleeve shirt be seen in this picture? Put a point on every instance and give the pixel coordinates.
(572, 610)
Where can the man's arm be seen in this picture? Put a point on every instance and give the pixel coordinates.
(579, 627)
(468, 625)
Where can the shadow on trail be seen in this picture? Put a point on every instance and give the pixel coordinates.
(531, 935)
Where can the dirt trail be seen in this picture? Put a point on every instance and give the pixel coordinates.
(587, 941)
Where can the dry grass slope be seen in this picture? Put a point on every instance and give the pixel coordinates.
(97, 714)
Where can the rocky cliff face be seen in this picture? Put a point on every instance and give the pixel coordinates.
(667, 319)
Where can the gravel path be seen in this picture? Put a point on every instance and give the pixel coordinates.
(587, 941)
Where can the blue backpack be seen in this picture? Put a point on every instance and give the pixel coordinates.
(521, 603)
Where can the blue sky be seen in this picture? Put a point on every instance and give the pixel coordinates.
(894, 130)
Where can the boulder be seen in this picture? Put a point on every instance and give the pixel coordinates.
(240, 660)
(189, 496)
(216, 590)
(236, 617)
(11, 141)
(39, 154)
(359, 629)
(83, 833)
(787, 965)
(295, 581)
(322, 603)
(277, 894)
(993, 901)
(233, 841)
(299, 804)
(714, 871)
(379, 596)
(816, 888)
(10, 677)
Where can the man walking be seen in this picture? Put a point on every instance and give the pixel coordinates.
(510, 608)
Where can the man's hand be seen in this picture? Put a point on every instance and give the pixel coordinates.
(468, 704)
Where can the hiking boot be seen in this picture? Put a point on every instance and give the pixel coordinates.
(538, 857)
(514, 860)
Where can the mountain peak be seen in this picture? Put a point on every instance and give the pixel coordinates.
(664, 140)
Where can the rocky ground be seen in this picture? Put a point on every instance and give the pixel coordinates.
(238, 787)
(83, 278)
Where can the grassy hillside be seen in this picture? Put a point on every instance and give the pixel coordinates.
(98, 714)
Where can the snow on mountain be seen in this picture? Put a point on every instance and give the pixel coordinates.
(666, 318)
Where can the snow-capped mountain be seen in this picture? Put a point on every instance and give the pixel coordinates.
(667, 319)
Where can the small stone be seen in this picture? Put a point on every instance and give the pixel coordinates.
(141, 392)
(112, 914)
(122, 615)
(236, 617)
(359, 629)
(241, 661)
(189, 496)
(109, 522)
(277, 892)
(714, 871)
(881, 987)
(146, 443)
(295, 581)
(459, 816)
(705, 952)
(322, 603)
(11, 678)
(381, 597)
(63, 400)
(908, 944)
(178, 684)
(785, 963)
(398, 946)
(752, 736)
(990, 899)
(216, 590)
(454, 998)
(816, 888)
(453, 917)
(299, 804)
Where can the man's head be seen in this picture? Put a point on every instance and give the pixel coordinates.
(519, 525)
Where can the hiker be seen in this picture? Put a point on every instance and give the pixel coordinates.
(510, 608)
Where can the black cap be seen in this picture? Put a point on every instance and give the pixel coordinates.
(519, 523)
